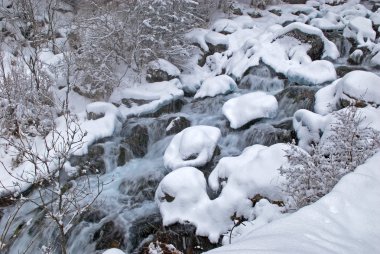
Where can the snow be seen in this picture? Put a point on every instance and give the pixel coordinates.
(225, 26)
(213, 86)
(314, 73)
(330, 21)
(243, 109)
(113, 251)
(344, 221)
(182, 194)
(360, 28)
(157, 94)
(197, 36)
(309, 126)
(355, 85)
(330, 50)
(215, 38)
(166, 66)
(199, 141)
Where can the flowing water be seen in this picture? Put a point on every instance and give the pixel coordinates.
(126, 205)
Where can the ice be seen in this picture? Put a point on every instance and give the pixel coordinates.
(211, 87)
(182, 194)
(156, 95)
(344, 221)
(194, 146)
(166, 66)
(243, 109)
(314, 73)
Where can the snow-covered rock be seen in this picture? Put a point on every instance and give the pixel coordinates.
(243, 109)
(356, 86)
(225, 26)
(344, 221)
(161, 70)
(309, 127)
(314, 73)
(194, 146)
(211, 87)
(147, 98)
(360, 29)
(182, 194)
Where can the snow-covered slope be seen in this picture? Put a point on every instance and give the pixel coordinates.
(345, 221)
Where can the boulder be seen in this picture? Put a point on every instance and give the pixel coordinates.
(92, 162)
(109, 235)
(177, 124)
(316, 43)
(294, 98)
(137, 139)
(161, 70)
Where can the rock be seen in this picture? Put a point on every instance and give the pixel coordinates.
(171, 107)
(177, 124)
(356, 57)
(161, 70)
(261, 78)
(183, 238)
(94, 116)
(139, 190)
(295, 1)
(141, 231)
(137, 139)
(294, 98)
(130, 102)
(109, 236)
(92, 162)
(343, 45)
(344, 69)
(316, 50)
(277, 12)
(93, 216)
(124, 156)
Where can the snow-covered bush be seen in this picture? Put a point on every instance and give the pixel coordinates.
(345, 145)
(120, 36)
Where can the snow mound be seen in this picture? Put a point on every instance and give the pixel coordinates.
(309, 127)
(105, 120)
(197, 37)
(213, 86)
(215, 38)
(354, 86)
(344, 221)
(226, 26)
(330, 21)
(182, 194)
(152, 97)
(114, 251)
(329, 51)
(360, 28)
(194, 146)
(314, 73)
(166, 66)
(243, 109)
